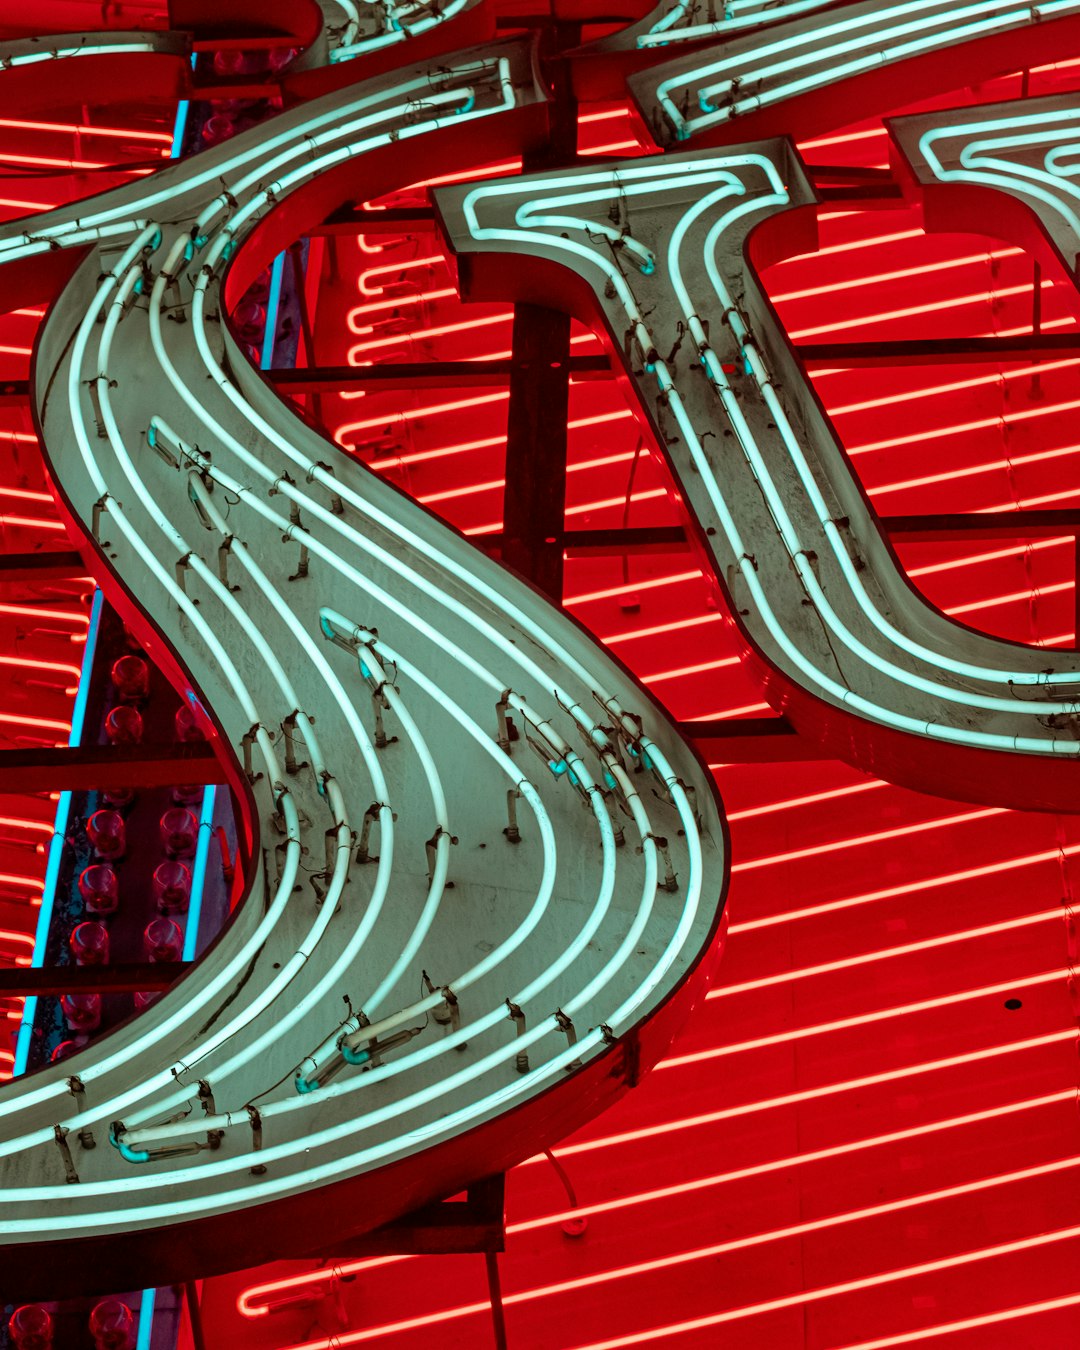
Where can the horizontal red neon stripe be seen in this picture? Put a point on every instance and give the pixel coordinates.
(970, 1323)
(1009, 986)
(809, 1094)
(830, 1291)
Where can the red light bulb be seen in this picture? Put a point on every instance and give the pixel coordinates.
(89, 944)
(187, 724)
(131, 678)
(217, 129)
(66, 1049)
(82, 1012)
(98, 888)
(250, 320)
(124, 725)
(107, 834)
(179, 831)
(229, 61)
(112, 1325)
(30, 1328)
(163, 940)
(172, 887)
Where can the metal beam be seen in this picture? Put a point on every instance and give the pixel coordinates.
(207, 89)
(981, 524)
(933, 351)
(394, 220)
(85, 768)
(191, 1298)
(475, 1224)
(852, 173)
(534, 498)
(123, 978)
(54, 562)
(638, 539)
(616, 541)
(411, 374)
(750, 740)
(887, 196)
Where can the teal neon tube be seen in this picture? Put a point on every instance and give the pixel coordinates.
(198, 872)
(273, 304)
(146, 1319)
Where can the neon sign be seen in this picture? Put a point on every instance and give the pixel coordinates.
(413, 728)
(330, 627)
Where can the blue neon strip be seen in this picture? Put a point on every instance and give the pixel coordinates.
(198, 873)
(146, 1319)
(272, 306)
(179, 127)
(56, 844)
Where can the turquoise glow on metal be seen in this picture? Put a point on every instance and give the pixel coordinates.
(180, 125)
(397, 31)
(1051, 185)
(273, 304)
(737, 17)
(198, 873)
(892, 32)
(146, 1319)
(629, 181)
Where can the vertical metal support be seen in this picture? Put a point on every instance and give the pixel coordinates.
(288, 730)
(223, 563)
(534, 497)
(60, 1134)
(670, 881)
(296, 264)
(102, 504)
(370, 816)
(78, 1090)
(498, 1319)
(453, 1010)
(379, 702)
(566, 1025)
(518, 1018)
(504, 724)
(198, 1338)
(95, 403)
(513, 834)
(254, 1116)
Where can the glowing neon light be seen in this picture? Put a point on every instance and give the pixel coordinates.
(273, 304)
(248, 1305)
(828, 1090)
(813, 52)
(718, 1249)
(970, 1323)
(664, 1333)
(539, 221)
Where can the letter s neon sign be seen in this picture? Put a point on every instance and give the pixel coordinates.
(355, 606)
